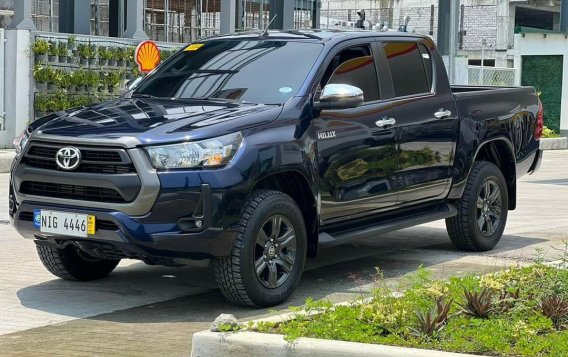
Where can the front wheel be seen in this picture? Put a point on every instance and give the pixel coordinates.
(70, 263)
(482, 210)
(269, 253)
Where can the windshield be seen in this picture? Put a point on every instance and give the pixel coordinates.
(257, 71)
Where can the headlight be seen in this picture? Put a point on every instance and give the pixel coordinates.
(21, 141)
(207, 153)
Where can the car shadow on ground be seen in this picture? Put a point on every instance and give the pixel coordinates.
(142, 294)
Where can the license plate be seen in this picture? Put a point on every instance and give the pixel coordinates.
(63, 223)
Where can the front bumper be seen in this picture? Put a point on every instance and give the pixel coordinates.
(169, 230)
(128, 237)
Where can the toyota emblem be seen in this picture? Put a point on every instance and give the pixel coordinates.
(68, 158)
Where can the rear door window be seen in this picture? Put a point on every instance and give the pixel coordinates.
(407, 68)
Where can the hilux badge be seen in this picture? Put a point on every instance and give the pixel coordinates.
(327, 135)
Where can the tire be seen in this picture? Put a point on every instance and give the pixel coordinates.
(470, 229)
(237, 274)
(70, 264)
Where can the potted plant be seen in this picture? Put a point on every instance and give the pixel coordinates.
(40, 105)
(64, 81)
(112, 81)
(83, 53)
(53, 79)
(72, 42)
(106, 56)
(40, 48)
(119, 56)
(41, 75)
(52, 53)
(87, 53)
(92, 80)
(129, 56)
(62, 52)
(78, 80)
(93, 53)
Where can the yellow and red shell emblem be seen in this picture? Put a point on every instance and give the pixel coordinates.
(147, 56)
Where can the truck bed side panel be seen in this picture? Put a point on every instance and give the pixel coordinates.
(507, 114)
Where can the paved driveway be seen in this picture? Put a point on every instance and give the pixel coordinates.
(152, 311)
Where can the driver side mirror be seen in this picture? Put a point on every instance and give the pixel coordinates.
(340, 96)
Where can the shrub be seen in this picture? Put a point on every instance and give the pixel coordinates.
(556, 309)
(40, 47)
(431, 322)
(478, 303)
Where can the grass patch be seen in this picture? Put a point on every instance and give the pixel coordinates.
(517, 312)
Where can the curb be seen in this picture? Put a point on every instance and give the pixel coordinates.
(6, 158)
(253, 344)
(554, 144)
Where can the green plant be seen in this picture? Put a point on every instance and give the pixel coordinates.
(105, 53)
(118, 54)
(64, 80)
(549, 133)
(478, 303)
(87, 51)
(62, 50)
(507, 300)
(431, 322)
(92, 79)
(129, 53)
(42, 74)
(52, 49)
(71, 42)
(40, 47)
(556, 309)
(78, 77)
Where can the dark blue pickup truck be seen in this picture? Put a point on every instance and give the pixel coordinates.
(254, 150)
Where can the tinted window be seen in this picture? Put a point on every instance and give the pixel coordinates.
(356, 66)
(407, 68)
(257, 71)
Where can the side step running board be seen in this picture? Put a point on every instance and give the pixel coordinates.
(442, 212)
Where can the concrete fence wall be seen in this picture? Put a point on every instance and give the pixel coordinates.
(17, 84)
(16, 76)
(2, 112)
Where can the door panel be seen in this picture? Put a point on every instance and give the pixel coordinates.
(426, 147)
(358, 165)
(427, 122)
(357, 158)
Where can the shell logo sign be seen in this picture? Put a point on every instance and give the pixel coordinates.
(147, 56)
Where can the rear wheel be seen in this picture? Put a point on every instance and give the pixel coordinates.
(269, 253)
(482, 210)
(70, 263)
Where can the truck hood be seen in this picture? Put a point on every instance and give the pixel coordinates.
(157, 120)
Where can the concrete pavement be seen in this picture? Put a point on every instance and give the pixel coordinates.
(148, 311)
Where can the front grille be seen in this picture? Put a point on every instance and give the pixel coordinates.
(73, 192)
(97, 161)
(100, 225)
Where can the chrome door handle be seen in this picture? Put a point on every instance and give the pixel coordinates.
(443, 113)
(385, 122)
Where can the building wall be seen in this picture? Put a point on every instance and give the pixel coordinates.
(533, 44)
(492, 20)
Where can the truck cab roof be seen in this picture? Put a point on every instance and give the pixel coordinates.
(320, 35)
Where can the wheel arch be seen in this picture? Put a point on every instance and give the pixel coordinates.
(295, 184)
(500, 152)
